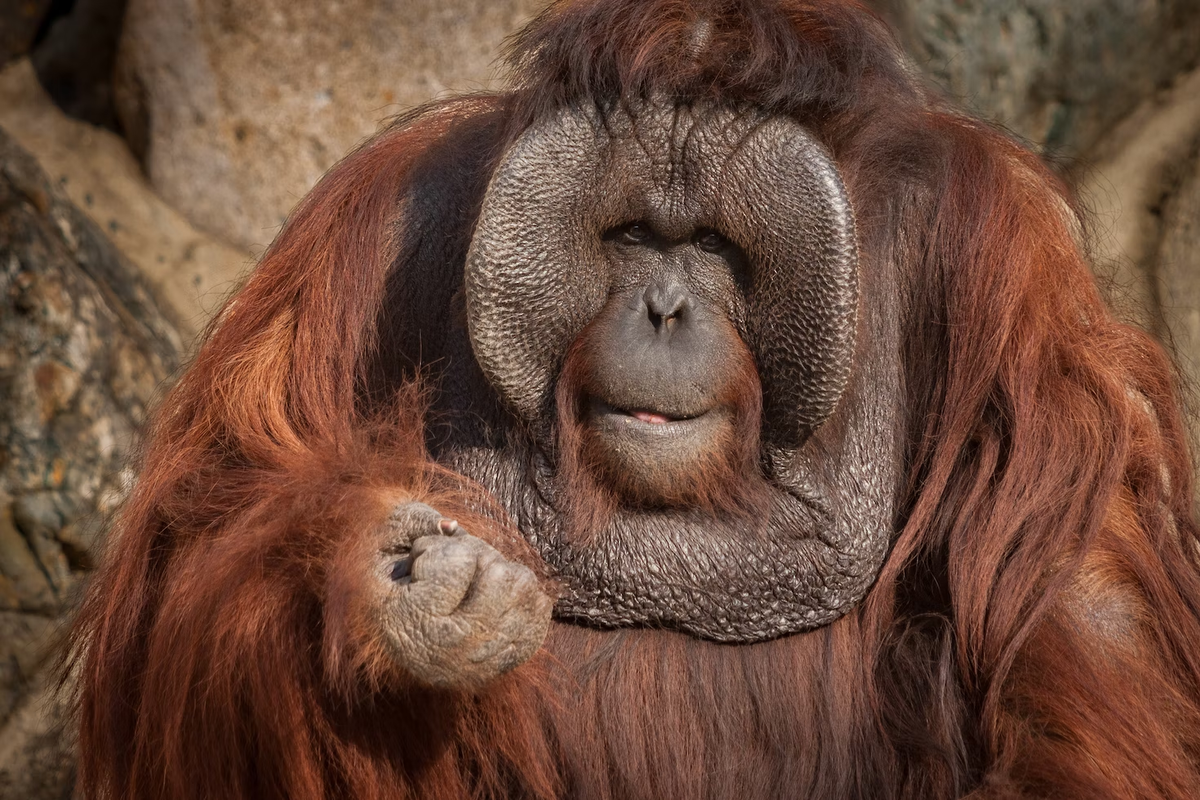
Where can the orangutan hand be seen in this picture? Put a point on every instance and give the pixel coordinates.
(454, 612)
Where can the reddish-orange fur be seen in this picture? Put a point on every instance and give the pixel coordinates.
(1035, 630)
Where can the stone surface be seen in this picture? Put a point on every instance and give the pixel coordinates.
(19, 22)
(239, 106)
(1057, 72)
(1124, 184)
(1142, 187)
(1176, 274)
(191, 272)
(36, 746)
(75, 59)
(84, 350)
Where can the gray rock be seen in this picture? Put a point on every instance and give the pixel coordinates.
(84, 350)
(1057, 72)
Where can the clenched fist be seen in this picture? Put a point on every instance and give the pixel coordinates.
(455, 612)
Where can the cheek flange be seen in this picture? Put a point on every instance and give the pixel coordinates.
(535, 276)
(793, 211)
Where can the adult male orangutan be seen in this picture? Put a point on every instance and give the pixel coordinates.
(714, 413)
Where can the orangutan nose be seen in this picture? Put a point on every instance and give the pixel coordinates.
(667, 304)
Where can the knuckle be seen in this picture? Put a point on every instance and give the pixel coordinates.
(458, 548)
(523, 577)
(425, 544)
(463, 650)
(407, 522)
(473, 543)
(413, 510)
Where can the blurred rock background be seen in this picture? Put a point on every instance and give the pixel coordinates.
(150, 149)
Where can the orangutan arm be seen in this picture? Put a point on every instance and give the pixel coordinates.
(1095, 706)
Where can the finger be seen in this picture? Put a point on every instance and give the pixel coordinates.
(405, 523)
(442, 572)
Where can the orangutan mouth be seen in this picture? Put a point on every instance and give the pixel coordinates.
(605, 413)
(650, 417)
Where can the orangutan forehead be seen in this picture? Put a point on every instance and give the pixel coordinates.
(666, 131)
(676, 154)
(676, 165)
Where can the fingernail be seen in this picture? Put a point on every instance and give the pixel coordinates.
(448, 526)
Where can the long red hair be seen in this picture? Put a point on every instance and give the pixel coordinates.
(1036, 626)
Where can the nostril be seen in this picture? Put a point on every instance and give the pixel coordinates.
(665, 304)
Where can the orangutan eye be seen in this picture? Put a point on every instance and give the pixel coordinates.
(635, 233)
(710, 241)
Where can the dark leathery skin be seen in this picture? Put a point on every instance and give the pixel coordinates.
(537, 274)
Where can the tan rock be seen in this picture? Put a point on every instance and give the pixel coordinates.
(1127, 177)
(1177, 274)
(24, 585)
(190, 271)
(1142, 185)
(84, 350)
(241, 106)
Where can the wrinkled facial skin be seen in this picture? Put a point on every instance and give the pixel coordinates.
(666, 384)
(666, 271)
